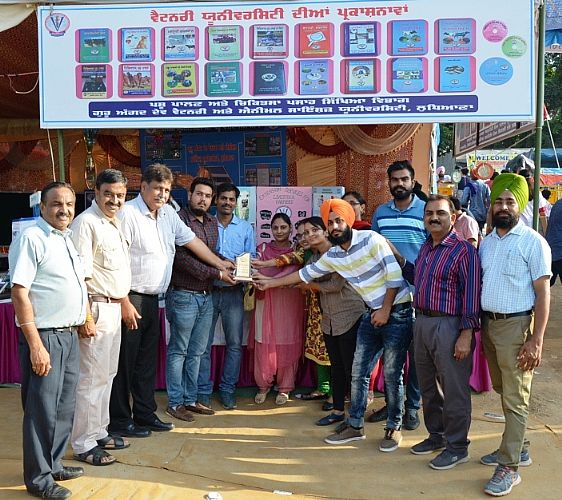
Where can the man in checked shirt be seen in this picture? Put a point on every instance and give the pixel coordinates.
(447, 302)
(189, 306)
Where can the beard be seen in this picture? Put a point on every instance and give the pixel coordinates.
(508, 222)
(198, 212)
(401, 193)
(343, 238)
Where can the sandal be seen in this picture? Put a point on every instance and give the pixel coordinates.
(282, 398)
(113, 443)
(261, 397)
(95, 457)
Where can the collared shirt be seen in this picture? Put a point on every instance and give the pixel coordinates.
(554, 231)
(447, 279)
(104, 252)
(368, 265)
(189, 271)
(467, 227)
(45, 261)
(510, 264)
(404, 228)
(476, 196)
(236, 238)
(152, 243)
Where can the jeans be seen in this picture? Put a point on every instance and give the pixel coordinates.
(229, 303)
(394, 338)
(190, 315)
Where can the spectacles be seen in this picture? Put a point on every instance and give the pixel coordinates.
(354, 203)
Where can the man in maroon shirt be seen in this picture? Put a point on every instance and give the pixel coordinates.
(189, 306)
(447, 302)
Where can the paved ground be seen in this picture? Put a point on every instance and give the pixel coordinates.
(250, 452)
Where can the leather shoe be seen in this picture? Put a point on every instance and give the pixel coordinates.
(200, 408)
(156, 425)
(53, 492)
(68, 473)
(131, 430)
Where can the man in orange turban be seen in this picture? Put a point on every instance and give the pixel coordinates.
(340, 207)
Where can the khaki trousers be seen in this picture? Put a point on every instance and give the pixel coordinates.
(502, 339)
(99, 357)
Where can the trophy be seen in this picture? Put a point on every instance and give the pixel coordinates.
(243, 267)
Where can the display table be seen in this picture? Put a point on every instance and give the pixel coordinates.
(306, 376)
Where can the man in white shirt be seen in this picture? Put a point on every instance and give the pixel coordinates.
(152, 229)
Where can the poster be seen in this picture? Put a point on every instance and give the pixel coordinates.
(221, 64)
(322, 193)
(296, 202)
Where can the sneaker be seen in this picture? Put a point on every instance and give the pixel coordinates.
(345, 434)
(180, 413)
(392, 438)
(330, 419)
(228, 400)
(282, 398)
(411, 420)
(492, 459)
(427, 446)
(447, 460)
(503, 480)
(378, 415)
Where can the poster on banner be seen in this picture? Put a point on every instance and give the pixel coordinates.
(217, 64)
(246, 205)
(322, 193)
(295, 202)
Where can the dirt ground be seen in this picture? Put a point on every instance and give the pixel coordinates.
(269, 451)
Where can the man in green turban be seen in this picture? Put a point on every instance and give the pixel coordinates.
(517, 184)
(515, 307)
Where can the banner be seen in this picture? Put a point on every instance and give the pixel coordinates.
(208, 64)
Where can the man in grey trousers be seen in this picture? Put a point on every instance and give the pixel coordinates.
(50, 301)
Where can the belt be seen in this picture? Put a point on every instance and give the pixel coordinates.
(181, 289)
(432, 314)
(495, 316)
(226, 288)
(56, 330)
(151, 295)
(103, 298)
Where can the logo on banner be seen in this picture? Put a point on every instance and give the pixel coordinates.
(285, 210)
(57, 24)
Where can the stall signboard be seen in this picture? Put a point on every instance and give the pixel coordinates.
(295, 202)
(209, 64)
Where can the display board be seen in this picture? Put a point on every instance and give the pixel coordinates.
(251, 157)
(205, 64)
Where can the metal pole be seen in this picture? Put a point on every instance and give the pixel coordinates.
(60, 137)
(539, 116)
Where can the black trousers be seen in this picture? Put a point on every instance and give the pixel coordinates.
(556, 271)
(48, 407)
(136, 373)
(341, 349)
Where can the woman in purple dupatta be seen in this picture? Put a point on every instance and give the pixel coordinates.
(277, 332)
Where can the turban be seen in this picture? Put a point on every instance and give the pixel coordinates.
(340, 207)
(441, 170)
(518, 186)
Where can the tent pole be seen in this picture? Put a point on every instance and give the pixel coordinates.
(539, 116)
(60, 137)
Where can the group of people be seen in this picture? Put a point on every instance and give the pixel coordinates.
(86, 294)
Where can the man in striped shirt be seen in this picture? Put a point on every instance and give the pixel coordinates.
(400, 221)
(366, 261)
(447, 302)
